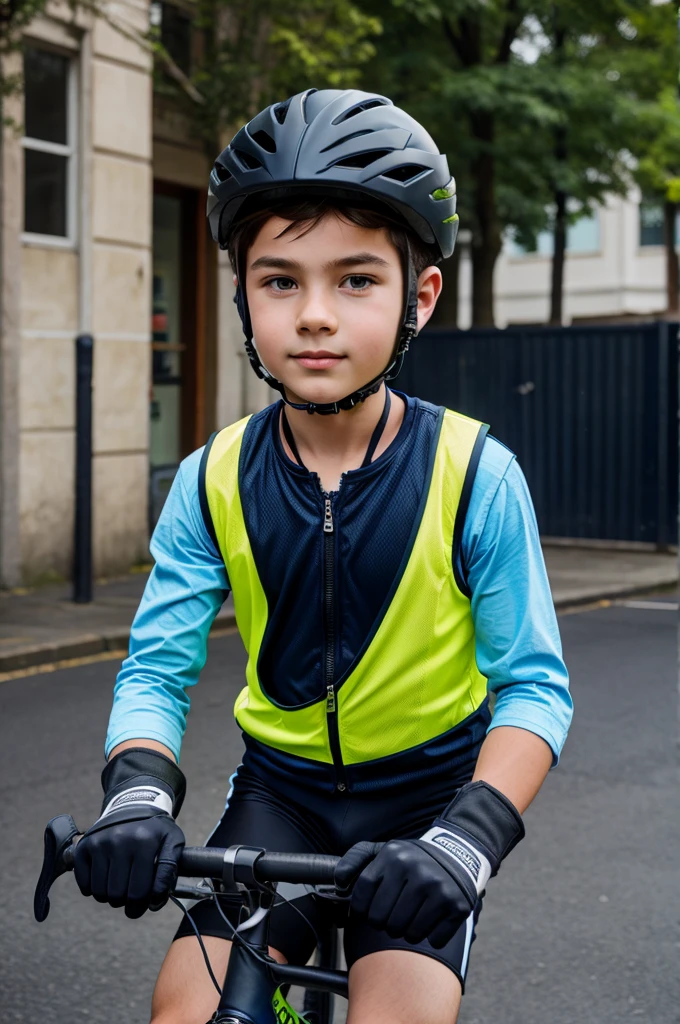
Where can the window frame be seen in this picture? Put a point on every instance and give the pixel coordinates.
(655, 247)
(69, 150)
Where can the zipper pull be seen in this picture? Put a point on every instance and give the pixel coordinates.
(330, 699)
(328, 517)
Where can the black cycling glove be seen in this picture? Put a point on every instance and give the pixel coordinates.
(129, 857)
(425, 888)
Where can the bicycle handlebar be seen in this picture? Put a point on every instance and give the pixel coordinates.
(305, 868)
(237, 864)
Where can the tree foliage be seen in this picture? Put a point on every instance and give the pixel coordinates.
(653, 76)
(658, 170)
(459, 76)
(14, 16)
(257, 51)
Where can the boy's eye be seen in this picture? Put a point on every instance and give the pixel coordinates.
(281, 284)
(357, 282)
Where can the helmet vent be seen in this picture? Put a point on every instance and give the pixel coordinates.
(265, 140)
(280, 111)
(366, 105)
(222, 173)
(347, 138)
(362, 159)
(246, 160)
(407, 172)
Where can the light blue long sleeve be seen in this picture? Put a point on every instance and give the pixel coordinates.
(518, 645)
(517, 639)
(169, 636)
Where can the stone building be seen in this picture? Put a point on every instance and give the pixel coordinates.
(103, 231)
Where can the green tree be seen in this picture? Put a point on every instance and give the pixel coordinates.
(597, 116)
(465, 78)
(537, 104)
(610, 59)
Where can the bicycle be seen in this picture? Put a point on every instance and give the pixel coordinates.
(256, 986)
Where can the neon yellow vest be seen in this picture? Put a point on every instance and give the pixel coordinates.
(418, 678)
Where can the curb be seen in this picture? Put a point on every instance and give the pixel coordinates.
(85, 646)
(613, 593)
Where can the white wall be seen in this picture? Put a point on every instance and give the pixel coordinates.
(621, 278)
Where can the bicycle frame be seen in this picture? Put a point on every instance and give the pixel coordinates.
(252, 987)
(252, 990)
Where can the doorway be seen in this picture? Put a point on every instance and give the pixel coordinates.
(183, 348)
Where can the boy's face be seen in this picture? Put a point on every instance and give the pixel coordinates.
(326, 305)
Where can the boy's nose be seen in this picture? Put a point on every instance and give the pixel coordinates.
(317, 316)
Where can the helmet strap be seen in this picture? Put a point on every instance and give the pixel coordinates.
(407, 332)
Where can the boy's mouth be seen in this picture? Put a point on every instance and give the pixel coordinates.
(318, 360)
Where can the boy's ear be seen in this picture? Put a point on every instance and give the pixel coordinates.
(429, 290)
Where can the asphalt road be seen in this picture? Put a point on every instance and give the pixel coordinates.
(580, 926)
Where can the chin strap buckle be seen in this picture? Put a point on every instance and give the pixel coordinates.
(408, 333)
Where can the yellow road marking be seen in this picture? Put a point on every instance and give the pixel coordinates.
(55, 666)
(652, 606)
(576, 609)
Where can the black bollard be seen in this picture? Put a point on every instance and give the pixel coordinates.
(82, 548)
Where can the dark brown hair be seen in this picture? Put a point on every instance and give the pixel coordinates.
(312, 211)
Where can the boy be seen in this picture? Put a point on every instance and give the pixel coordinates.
(386, 571)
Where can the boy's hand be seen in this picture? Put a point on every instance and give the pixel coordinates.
(425, 888)
(130, 859)
(409, 890)
(130, 856)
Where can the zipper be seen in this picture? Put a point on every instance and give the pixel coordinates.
(329, 645)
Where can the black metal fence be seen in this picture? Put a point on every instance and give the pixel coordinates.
(591, 412)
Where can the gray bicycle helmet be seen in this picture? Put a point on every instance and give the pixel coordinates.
(337, 143)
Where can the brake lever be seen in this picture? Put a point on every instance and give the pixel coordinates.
(192, 892)
(330, 892)
(61, 838)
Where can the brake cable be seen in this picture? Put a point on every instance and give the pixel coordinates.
(204, 951)
(213, 895)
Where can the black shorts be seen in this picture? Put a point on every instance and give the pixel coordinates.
(304, 822)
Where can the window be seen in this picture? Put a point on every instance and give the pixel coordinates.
(49, 145)
(175, 32)
(583, 236)
(651, 223)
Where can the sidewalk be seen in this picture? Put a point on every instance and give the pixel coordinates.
(584, 575)
(42, 626)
